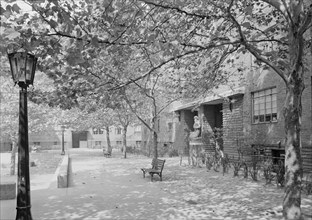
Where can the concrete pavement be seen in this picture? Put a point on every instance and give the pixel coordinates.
(113, 188)
(97, 191)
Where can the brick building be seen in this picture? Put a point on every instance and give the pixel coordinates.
(91, 138)
(249, 115)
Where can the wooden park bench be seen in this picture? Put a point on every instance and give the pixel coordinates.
(107, 154)
(157, 168)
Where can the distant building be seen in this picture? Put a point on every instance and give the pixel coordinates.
(92, 138)
(251, 113)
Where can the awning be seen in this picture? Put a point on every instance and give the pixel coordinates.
(208, 100)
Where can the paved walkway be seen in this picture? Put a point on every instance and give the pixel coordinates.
(100, 188)
(113, 188)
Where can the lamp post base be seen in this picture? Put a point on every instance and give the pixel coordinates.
(23, 213)
(63, 153)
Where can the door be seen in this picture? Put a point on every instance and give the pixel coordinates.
(79, 136)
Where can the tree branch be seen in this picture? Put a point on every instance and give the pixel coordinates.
(156, 67)
(136, 114)
(253, 50)
(178, 10)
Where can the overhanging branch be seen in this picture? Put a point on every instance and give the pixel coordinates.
(253, 50)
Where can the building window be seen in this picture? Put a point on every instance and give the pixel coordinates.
(264, 106)
(98, 131)
(95, 131)
(98, 143)
(169, 126)
(118, 142)
(118, 130)
(37, 143)
(138, 128)
(55, 143)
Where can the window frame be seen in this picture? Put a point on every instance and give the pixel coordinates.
(138, 128)
(98, 131)
(262, 97)
(95, 131)
(118, 131)
(101, 131)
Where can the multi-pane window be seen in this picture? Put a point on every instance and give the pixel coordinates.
(118, 130)
(95, 131)
(98, 131)
(138, 128)
(169, 126)
(264, 107)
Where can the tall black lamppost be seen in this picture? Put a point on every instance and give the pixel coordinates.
(63, 129)
(23, 66)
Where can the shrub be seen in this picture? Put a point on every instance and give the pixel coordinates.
(280, 174)
(267, 171)
(307, 186)
(237, 163)
(173, 153)
(254, 171)
(208, 160)
(225, 161)
(245, 170)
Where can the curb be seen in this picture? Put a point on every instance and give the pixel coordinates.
(62, 173)
(8, 190)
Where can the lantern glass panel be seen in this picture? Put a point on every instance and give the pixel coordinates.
(17, 62)
(13, 64)
(30, 68)
(21, 63)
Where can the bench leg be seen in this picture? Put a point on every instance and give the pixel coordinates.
(143, 173)
(152, 174)
(160, 177)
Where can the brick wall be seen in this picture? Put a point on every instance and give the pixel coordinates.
(274, 132)
(232, 125)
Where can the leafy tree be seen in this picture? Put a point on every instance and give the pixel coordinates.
(155, 96)
(40, 118)
(272, 31)
(195, 38)
(125, 117)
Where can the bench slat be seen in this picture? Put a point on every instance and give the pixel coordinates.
(157, 168)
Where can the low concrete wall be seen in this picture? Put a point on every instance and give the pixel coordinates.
(62, 175)
(8, 190)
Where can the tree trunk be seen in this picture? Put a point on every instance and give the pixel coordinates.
(155, 138)
(293, 116)
(124, 141)
(109, 146)
(13, 158)
(147, 145)
(293, 160)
